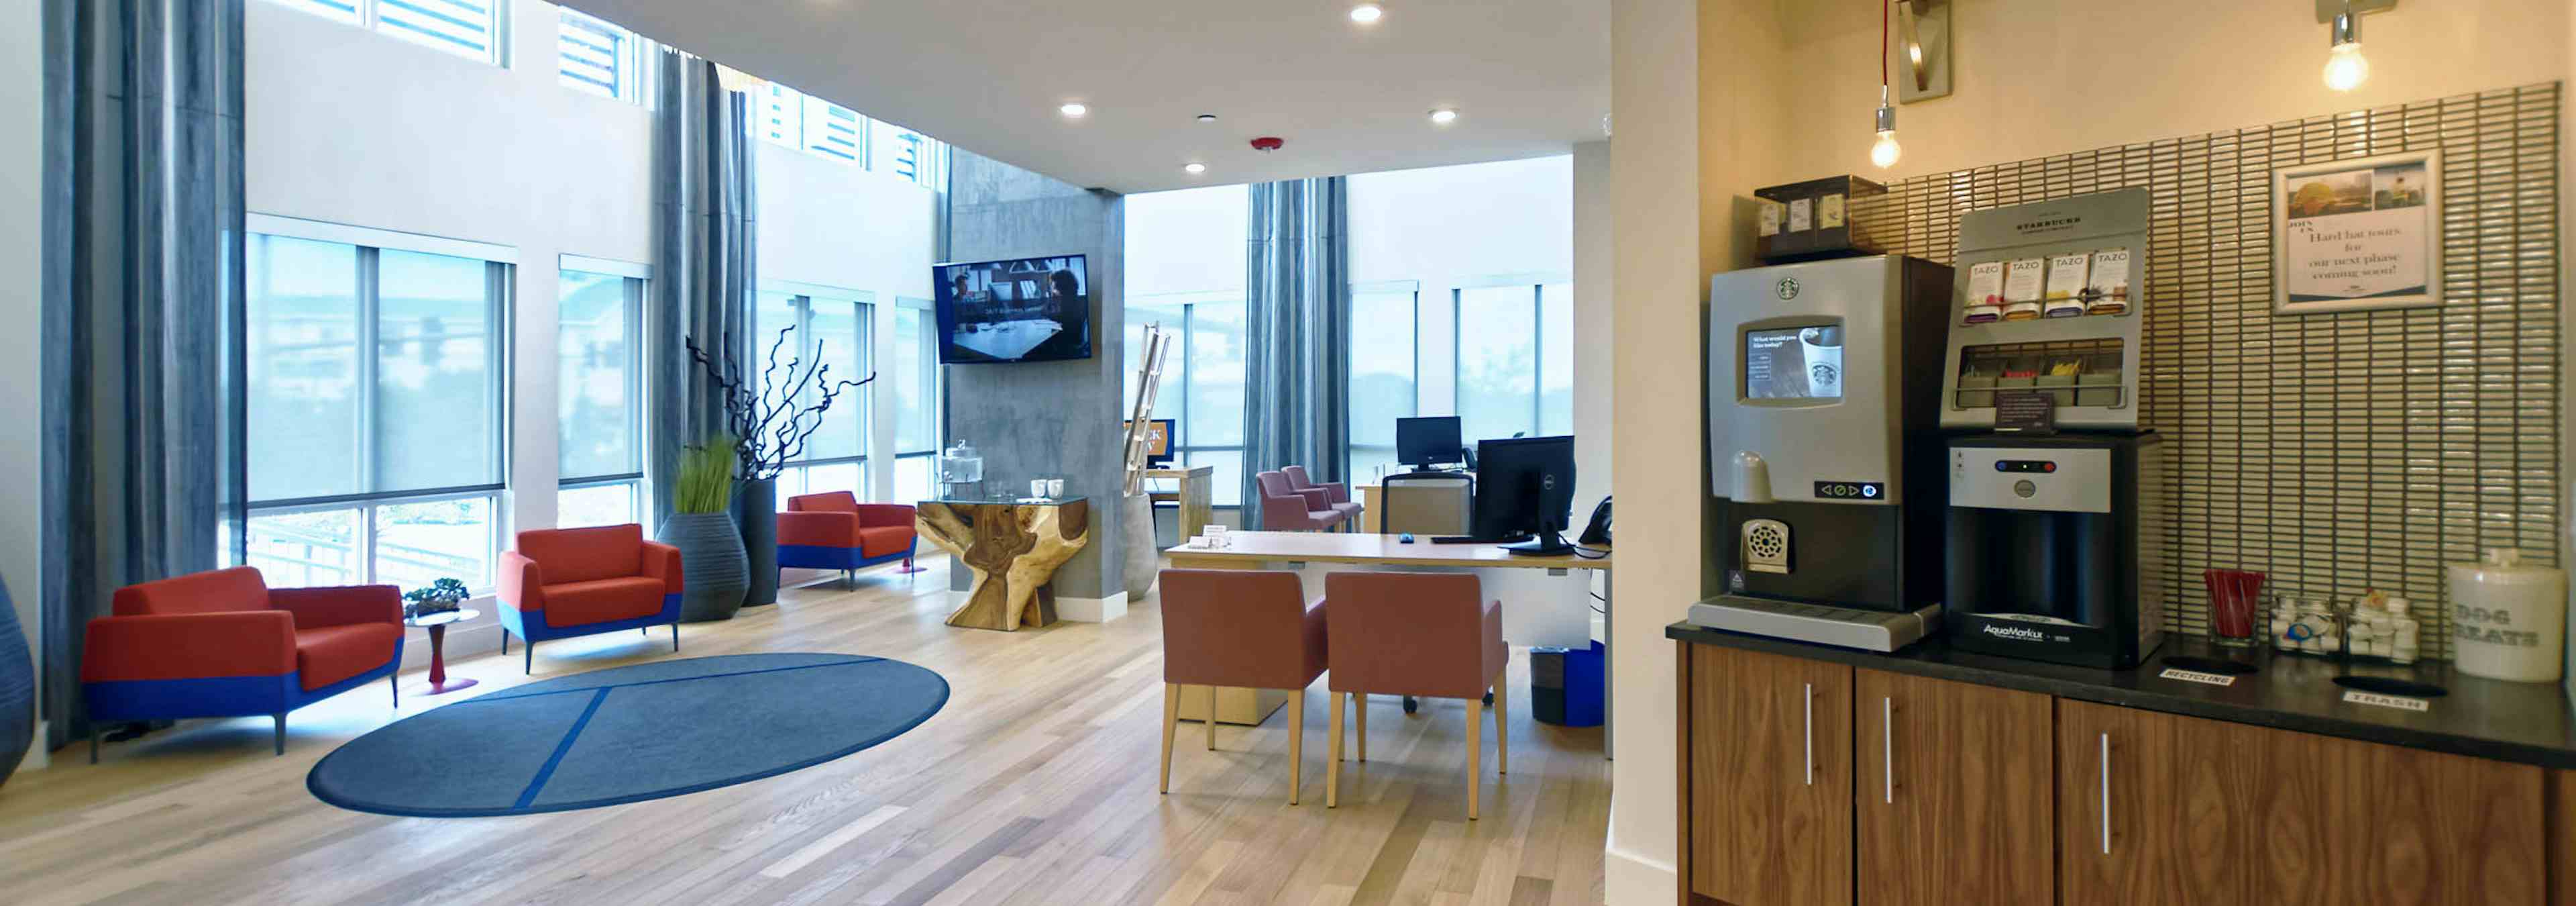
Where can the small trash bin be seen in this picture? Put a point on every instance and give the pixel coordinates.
(1565, 686)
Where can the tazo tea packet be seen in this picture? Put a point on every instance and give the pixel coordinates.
(2107, 293)
(1985, 301)
(2021, 288)
(2066, 284)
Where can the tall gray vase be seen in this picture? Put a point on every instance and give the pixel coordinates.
(755, 512)
(1136, 518)
(713, 573)
(17, 690)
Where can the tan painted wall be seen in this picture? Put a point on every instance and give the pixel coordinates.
(2035, 77)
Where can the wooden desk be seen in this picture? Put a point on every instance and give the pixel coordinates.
(1194, 491)
(1258, 550)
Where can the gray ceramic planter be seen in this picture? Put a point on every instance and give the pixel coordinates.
(713, 571)
(17, 690)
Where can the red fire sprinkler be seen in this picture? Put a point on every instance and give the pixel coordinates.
(1268, 143)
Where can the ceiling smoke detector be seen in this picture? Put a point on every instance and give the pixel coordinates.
(1268, 143)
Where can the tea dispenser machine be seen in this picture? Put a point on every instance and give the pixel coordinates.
(1824, 401)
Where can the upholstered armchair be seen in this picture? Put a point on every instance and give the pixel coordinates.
(836, 531)
(561, 583)
(1337, 496)
(1283, 509)
(224, 644)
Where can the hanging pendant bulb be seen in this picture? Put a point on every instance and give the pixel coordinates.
(1884, 152)
(2346, 68)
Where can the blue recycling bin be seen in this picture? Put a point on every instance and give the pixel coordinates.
(1565, 685)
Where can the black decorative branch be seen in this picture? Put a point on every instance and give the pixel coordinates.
(768, 427)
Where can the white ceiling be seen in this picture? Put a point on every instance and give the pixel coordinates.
(1529, 77)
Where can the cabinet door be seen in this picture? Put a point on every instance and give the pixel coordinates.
(1768, 802)
(1954, 801)
(2157, 808)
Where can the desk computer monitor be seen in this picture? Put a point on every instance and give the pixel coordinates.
(1429, 441)
(1525, 486)
(1158, 442)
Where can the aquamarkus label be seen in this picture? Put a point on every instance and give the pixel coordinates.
(2015, 633)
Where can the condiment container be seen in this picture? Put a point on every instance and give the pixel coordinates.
(2508, 620)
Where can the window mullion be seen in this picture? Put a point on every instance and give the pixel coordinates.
(1538, 355)
(370, 334)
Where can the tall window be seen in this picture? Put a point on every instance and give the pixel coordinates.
(902, 152)
(374, 412)
(600, 58)
(467, 28)
(1202, 389)
(600, 381)
(915, 374)
(1515, 360)
(834, 457)
(785, 116)
(1384, 356)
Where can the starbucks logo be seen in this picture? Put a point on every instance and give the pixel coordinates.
(1788, 288)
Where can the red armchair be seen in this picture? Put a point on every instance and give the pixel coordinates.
(836, 531)
(1337, 496)
(561, 583)
(1283, 509)
(224, 644)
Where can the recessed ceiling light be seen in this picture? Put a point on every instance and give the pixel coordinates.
(1193, 169)
(1074, 109)
(1207, 117)
(1443, 116)
(1366, 13)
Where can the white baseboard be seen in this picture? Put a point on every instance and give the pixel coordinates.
(1071, 610)
(1631, 878)
(1092, 610)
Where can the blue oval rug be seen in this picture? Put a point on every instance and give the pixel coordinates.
(628, 734)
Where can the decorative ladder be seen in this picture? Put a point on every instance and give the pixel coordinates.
(1149, 382)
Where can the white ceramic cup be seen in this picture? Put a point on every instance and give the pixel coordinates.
(1055, 487)
(1037, 487)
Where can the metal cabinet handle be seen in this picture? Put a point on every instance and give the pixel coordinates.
(2106, 794)
(1811, 734)
(1887, 743)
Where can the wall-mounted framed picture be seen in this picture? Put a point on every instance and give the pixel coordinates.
(2357, 235)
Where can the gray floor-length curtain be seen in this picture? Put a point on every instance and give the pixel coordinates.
(703, 236)
(142, 296)
(1297, 324)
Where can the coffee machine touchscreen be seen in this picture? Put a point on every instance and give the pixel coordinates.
(1794, 363)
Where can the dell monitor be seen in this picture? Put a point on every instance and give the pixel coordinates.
(1429, 441)
(1525, 486)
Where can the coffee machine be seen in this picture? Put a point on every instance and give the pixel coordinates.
(1824, 382)
(2056, 547)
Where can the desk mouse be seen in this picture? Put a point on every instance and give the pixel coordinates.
(1406, 538)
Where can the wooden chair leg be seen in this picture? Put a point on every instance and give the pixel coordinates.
(1171, 724)
(1502, 724)
(1475, 753)
(1211, 718)
(1296, 743)
(1333, 765)
(1362, 699)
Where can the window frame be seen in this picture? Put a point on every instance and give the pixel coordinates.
(1413, 288)
(800, 299)
(500, 302)
(1182, 422)
(368, 15)
(634, 59)
(637, 280)
(1537, 285)
(934, 393)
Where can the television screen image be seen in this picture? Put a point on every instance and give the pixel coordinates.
(1021, 310)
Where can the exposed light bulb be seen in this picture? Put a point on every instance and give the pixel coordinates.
(1443, 116)
(1074, 110)
(1194, 168)
(2346, 68)
(1366, 13)
(1883, 152)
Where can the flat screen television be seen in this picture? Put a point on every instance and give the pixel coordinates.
(1019, 310)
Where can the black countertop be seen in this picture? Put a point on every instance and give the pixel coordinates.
(2529, 723)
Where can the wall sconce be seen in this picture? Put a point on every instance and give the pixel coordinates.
(2345, 67)
(1922, 52)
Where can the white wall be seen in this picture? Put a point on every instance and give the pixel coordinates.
(352, 127)
(21, 219)
(1594, 264)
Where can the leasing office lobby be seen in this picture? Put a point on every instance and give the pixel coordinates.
(1033, 781)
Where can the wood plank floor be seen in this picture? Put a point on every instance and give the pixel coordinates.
(1036, 785)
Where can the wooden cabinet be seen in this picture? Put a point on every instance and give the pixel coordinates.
(1766, 757)
(2156, 808)
(1954, 801)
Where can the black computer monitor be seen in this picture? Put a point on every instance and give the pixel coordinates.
(1428, 441)
(1158, 442)
(1525, 486)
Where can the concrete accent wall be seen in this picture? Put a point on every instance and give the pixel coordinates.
(1047, 419)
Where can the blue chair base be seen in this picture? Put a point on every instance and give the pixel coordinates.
(124, 701)
(513, 622)
(808, 556)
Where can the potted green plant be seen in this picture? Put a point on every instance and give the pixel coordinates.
(714, 572)
(442, 596)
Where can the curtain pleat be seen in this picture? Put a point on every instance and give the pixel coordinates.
(1297, 324)
(143, 305)
(704, 235)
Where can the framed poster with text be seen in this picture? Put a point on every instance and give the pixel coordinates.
(2358, 234)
